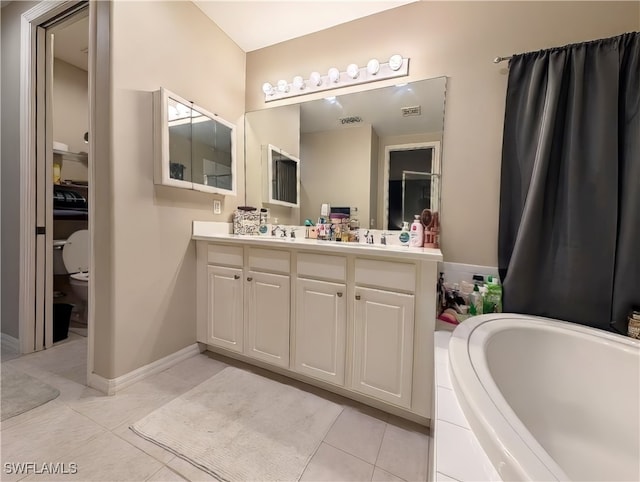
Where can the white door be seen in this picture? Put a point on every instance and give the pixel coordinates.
(383, 345)
(225, 309)
(268, 308)
(321, 325)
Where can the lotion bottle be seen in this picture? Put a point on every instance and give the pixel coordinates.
(416, 233)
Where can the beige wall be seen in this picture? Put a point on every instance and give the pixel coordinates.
(336, 169)
(71, 114)
(10, 162)
(281, 128)
(174, 45)
(459, 40)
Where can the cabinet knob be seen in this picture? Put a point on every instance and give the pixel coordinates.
(339, 294)
(236, 276)
(358, 297)
(249, 279)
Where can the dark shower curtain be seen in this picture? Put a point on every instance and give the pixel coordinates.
(569, 238)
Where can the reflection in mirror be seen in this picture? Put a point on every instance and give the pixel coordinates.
(282, 177)
(344, 143)
(412, 172)
(211, 159)
(194, 149)
(179, 117)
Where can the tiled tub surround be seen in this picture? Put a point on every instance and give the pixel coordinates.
(352, 318)
(455, 451)
(546, 399)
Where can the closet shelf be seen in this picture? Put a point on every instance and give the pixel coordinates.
(72, 156)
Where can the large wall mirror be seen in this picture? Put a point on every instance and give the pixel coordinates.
(195, 149)
(376, 150)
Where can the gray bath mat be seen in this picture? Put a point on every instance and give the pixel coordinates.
(241, 426)
(22, 392)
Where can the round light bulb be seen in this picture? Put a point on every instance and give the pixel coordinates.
(316, 79)
(298, 82)
(353, 71)
(283, 86)
(267, 88)
(395, 62)
(334, 75)
(373, 67)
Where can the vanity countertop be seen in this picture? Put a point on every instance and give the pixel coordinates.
(211, 231)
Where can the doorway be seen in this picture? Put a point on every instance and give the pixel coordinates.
(411, 182)
(52, 109)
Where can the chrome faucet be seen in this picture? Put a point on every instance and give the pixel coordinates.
(368, 237)
(281, 230)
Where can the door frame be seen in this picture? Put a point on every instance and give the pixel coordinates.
(100, 129)
(435, 169)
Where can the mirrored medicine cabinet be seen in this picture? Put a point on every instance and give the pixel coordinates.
(281, 177)
(193, 148)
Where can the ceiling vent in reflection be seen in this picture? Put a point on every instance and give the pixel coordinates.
(346, 121)
(411, 111)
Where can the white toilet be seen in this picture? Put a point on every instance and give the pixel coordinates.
(75, 256)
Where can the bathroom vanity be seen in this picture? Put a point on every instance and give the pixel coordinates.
(355, 319)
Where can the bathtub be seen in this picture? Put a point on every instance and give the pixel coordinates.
(549, 400)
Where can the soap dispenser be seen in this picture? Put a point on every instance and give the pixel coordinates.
(404, 234)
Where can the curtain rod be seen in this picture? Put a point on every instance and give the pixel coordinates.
(497, 60)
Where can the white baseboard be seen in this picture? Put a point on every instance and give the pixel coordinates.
(112, 385)
(10, 343)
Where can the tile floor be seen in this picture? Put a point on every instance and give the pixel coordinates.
(90, 429)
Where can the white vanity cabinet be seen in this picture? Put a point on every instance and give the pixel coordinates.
(383, 345)
(267, 323)
(225, 319)
(321, 317)
(352, 319)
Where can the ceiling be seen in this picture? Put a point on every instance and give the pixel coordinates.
(253, 25)
(71, 42)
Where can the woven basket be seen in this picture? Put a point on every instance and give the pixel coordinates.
(633, 329)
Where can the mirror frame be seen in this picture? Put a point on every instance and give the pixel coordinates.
(162, 173)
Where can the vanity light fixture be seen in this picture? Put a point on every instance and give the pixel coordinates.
(353, 71)
(397, 66)
(373, 67)
(395, 62)
(298, 82)
(334, 75)
(283, 86)
(315, 79)
(267, 88)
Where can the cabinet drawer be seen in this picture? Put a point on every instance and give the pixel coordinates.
(224, 255)
(322, 266)
(269, 260)
(386, 274)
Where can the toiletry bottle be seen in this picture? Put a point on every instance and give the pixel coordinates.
(263, 229)
(416, 233)
(494, 294)
(475, 301)
(404, 234)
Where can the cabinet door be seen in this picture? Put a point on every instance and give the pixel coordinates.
(268, 308)
(383, 345)
(225, 308)
(321, 317)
